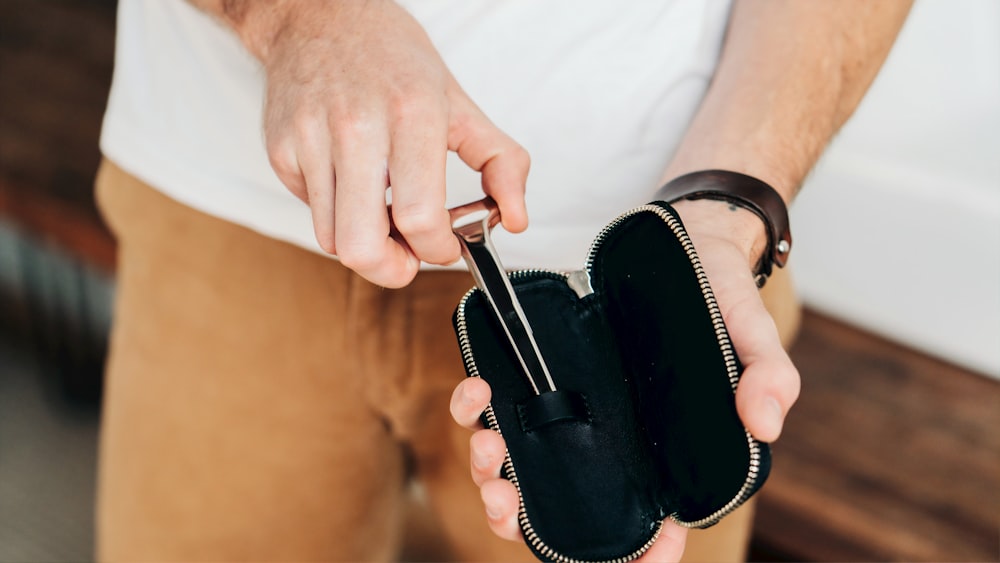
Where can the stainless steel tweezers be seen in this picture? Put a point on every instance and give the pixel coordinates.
(472, 224)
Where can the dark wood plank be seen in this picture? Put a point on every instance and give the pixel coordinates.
(56, 59)
(888, 455)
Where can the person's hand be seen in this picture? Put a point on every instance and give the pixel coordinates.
(357, 100)
(488, 451)
(728, 243)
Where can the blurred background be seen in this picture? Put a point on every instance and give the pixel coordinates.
(893, 451)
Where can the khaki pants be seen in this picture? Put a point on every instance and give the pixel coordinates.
(265, 403)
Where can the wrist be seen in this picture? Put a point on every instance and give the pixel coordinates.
(750, 194)
(256, 23)
(721, 219)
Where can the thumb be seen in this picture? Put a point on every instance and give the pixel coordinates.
(770, 383)
(485, 148)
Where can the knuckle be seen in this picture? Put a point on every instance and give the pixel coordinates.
(353, 125)
(793, 383)
(408, 108)
(520, 157)
(307, 130)
(416, 108)
(783, 381)
(281, 155)
(459, 125)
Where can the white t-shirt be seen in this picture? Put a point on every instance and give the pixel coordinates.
(599, 93)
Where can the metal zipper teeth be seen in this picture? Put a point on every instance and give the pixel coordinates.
(721, 335)
(725, 346)
(527, 529)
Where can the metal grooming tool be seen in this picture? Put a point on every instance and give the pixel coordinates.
(472, 224)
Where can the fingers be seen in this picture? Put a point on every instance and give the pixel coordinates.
(669, 546)
(500, 499)
(416, 170)
(361, 223)
(417, 162)
(487, 448)
(487, 451)
(285, 163)
(501, 503)
(299, 153)
(342, 172)
(503, 163)
(469, 400)
(504, 177)
(318, 176)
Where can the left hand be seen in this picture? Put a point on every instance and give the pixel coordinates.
(728, 243)
(499, 495)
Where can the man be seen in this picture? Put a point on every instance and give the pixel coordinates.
(266, 402)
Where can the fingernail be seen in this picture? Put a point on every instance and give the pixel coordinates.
(480, 461)
(492, 512)
(467, 398)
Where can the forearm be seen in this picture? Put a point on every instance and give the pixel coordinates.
(790, 75)
(258, 22)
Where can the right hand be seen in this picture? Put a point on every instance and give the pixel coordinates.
(358, 99)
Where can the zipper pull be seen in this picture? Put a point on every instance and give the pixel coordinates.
(472, 224)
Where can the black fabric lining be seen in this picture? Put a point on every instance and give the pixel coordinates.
(660, 436)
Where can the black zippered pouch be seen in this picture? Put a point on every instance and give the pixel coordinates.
(642, 425)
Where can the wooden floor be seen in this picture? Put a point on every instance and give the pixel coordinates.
(889, 454)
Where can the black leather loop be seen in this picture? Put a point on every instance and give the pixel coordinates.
(552, 406)
(747, 192)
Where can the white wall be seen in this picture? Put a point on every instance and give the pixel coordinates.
(898, 228)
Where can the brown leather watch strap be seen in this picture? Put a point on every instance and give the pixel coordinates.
(747, 192)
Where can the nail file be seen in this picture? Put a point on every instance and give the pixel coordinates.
(472, 224)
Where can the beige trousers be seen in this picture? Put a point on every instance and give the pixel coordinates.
(265, 403)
